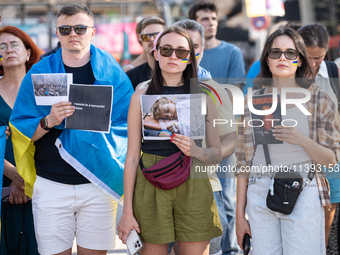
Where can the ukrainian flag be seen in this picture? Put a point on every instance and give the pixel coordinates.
(98, 156)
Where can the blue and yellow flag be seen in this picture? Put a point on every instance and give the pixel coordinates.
(98, 156)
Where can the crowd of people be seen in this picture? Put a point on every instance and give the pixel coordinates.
(67, 183)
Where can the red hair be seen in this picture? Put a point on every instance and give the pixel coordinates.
(27, 41)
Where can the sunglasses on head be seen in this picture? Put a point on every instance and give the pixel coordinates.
(78, 29)
(289, 54)
(166, 51)
(147, 37)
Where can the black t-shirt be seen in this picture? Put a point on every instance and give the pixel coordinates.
(48, 162)
(139, 74)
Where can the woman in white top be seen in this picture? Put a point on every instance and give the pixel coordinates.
(315, 139)
(316, 39)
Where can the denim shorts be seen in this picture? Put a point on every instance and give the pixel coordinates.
(301, 232)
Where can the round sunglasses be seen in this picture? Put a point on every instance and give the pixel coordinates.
(290, 54)
(166, 51)
(78, 29)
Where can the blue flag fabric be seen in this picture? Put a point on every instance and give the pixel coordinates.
(98, 156)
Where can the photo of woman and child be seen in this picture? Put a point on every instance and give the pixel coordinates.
(180, 114)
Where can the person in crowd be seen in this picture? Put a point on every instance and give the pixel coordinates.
(186, 213)
(79, 174)
(17, 55)
(316, 39)
(223, 60)
(150, 28)
(314, 140)
(227, 132)
(142, 58)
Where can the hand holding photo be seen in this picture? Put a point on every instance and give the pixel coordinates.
(51, 88)
(166, 114)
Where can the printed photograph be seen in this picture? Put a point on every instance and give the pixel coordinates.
(163, 115)
(51, 88)
(263, 124)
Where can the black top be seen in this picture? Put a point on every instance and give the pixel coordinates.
(139, 74)
(165, 147)
(48, 162)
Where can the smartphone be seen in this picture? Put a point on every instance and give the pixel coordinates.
(133, 242)
(246, 244)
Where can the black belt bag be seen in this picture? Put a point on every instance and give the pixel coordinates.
(285, 188)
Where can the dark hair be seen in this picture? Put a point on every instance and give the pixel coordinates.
(157, 81)
(315, 35)
(28, 43)
(72, 9)
(139, 25)
(303, 73)
(294, 25)
(201, 6)
(153, 20)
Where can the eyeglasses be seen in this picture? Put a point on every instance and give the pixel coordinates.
(78, 29)
(166, 51)
(289, 54)
(147, 37)
(14, 46)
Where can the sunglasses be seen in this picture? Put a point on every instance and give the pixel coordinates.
(166, 51)
(289, 54)
(78, 29)
(147, 37)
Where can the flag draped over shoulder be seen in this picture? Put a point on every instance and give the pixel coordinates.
(98, 156)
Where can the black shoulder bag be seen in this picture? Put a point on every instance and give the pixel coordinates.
(286, 186)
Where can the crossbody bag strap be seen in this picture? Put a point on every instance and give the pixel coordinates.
(266, 154)
(311, 172)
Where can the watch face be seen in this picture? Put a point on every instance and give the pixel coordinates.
(43, 122)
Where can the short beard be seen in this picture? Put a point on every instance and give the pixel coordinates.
(209, 38)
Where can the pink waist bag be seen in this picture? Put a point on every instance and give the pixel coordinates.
(168, 173)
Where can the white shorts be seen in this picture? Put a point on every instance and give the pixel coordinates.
(63, 211)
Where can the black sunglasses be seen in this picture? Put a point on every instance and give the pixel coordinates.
(289, 54)
(166, 51)
(78, 29)
(147, 37)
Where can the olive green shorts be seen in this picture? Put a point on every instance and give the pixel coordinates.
(186, 213)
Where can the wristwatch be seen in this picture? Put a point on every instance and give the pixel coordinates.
(43, 123)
